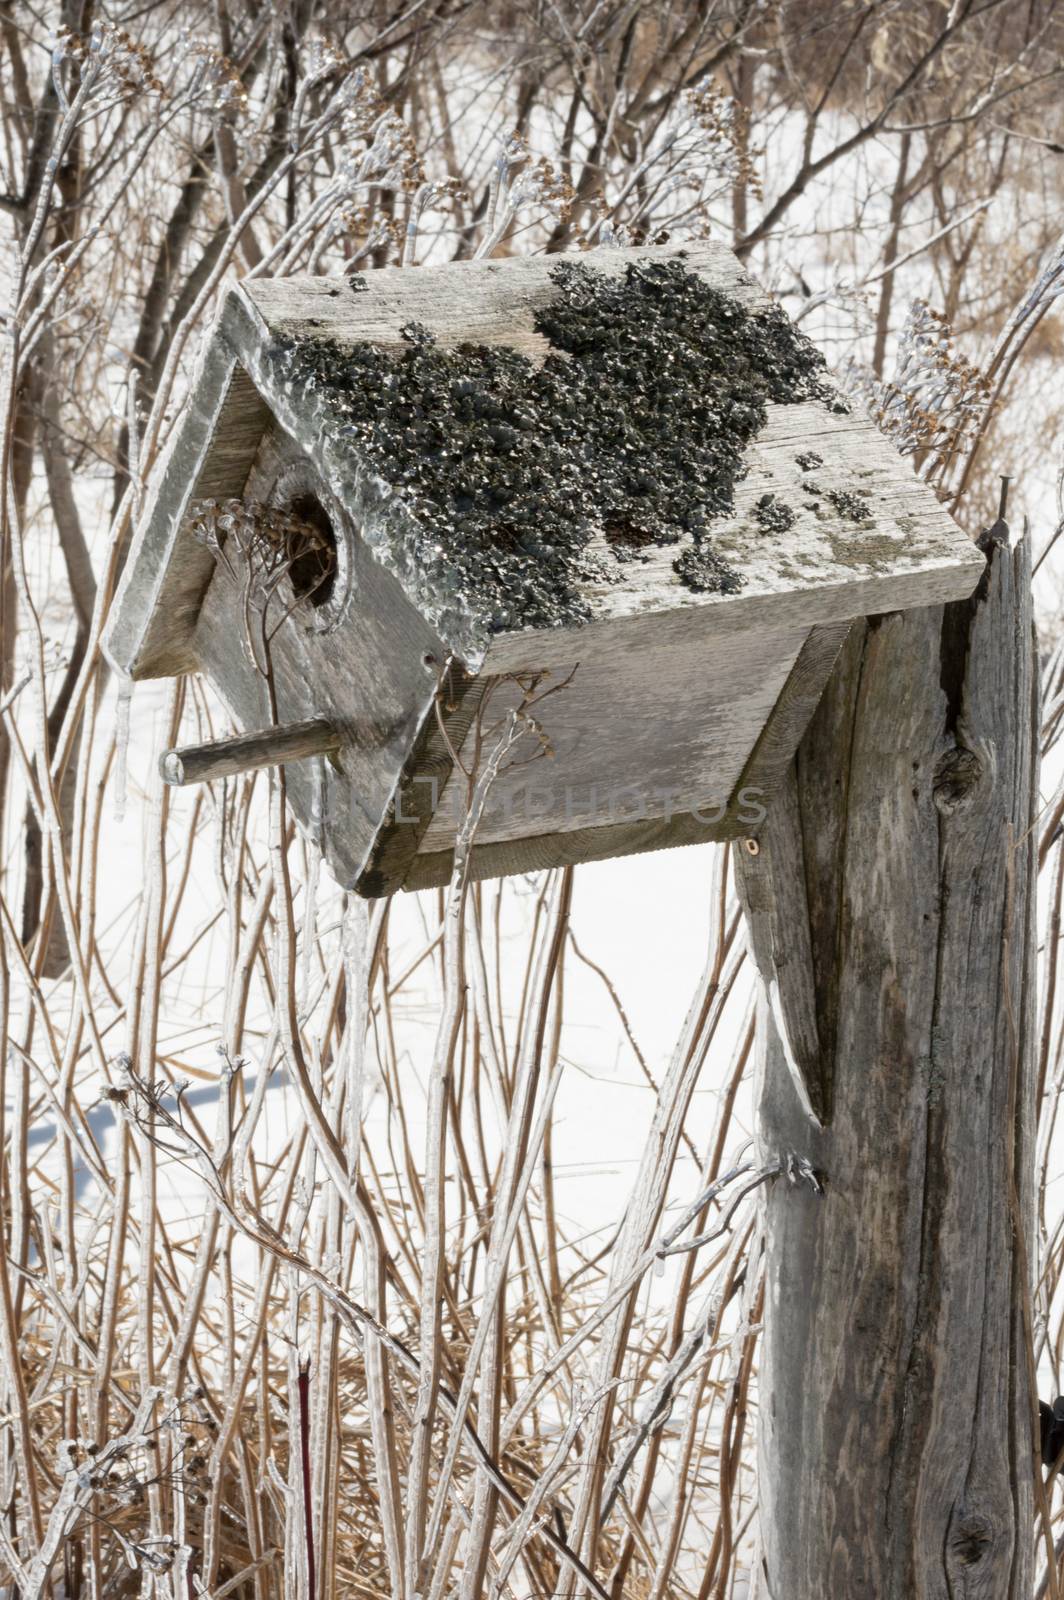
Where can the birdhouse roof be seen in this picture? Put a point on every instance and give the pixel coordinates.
(541, 446)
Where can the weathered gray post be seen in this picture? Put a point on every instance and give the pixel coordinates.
(891, 903)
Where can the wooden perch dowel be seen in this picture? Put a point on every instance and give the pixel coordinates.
(269, 747)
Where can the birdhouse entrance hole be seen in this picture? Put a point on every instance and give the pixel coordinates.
(313, 573)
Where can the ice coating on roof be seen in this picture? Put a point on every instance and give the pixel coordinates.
(495, 488)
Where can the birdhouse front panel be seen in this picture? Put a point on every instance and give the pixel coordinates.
(599, 522)
(353, 651)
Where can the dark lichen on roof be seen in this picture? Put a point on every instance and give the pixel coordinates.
(520, 482)
(852, 504)
(774, 514)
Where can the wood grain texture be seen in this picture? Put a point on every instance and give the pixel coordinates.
(483, 302)
(895, 1421)
(825, 568)
(771, 756)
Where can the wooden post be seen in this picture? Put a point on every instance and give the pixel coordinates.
(891, 908)
(269, 747)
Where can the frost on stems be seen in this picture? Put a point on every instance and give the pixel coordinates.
(537, 183)
(519, 182)
(322, 57)
(378, 153)
(107, 1483)
(933, 404)
(702, 152)
(427, 197)
(722, 126)
(364, 229)
(496, 490)
(378, 147)
(111, 52)
(220, 85)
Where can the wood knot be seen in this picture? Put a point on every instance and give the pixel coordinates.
(956, 775)
(971, 1538)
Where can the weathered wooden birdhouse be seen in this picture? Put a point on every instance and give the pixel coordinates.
(615, 493)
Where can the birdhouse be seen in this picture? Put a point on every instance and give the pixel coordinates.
(594, 525)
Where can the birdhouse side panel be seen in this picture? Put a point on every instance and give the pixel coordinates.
(756, 790)
(627, 736)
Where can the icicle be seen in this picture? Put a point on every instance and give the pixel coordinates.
(779, 1017)
(317, 803)
(355, 941)
(309, 922)
(123, 712)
